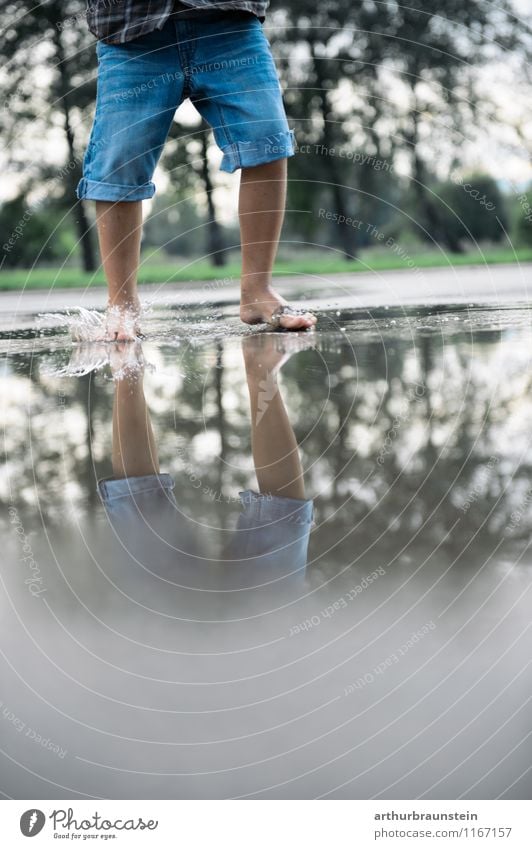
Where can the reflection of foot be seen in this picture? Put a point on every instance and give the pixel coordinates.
(265, 306)
(125, 359)
(265, 354)
(85, 358)
(122, 322)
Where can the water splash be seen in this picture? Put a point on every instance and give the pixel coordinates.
(89, 325)
(84, 325)
(123, 360)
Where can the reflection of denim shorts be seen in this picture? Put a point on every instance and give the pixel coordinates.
(226, 69)
(271, 531)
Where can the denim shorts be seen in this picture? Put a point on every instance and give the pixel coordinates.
(226, 69)
(270, 532)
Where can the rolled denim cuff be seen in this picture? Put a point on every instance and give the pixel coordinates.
(143, 513)
(113, 488)
(273, 532)
(246, 154)
(260, 509)
(94, 190)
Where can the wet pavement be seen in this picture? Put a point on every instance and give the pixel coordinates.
(307, 570)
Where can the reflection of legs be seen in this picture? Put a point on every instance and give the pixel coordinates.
(119, 233)
(261, 211)
(134, 448)
(274, 446)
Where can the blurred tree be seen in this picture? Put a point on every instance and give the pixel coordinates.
(30, 233)
(384, 79)
(186, 159)
(472, 208)
(174, 225)
(521, 229)
(365, 83)
(48, 54)
(327, 54)
(435, 47)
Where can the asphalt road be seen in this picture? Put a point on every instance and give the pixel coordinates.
(500, 284)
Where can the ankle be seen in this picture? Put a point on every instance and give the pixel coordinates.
(123, 300)
(258, 281)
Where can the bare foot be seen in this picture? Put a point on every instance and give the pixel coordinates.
(122, 321)
(257, 306)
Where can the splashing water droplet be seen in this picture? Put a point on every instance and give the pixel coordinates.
(84, 325)
(87, 325)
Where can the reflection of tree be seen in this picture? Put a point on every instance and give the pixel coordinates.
(220, 417)
(380, 459)
(48, 443)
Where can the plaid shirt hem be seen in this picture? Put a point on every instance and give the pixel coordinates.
(119, 21)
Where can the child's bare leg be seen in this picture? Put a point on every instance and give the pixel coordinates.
(119, 233)
(261, 211)
(134, 448)
(274, 445)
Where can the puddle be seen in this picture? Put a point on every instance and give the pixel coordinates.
(322, 591)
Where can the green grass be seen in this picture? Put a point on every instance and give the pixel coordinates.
(308, 264)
